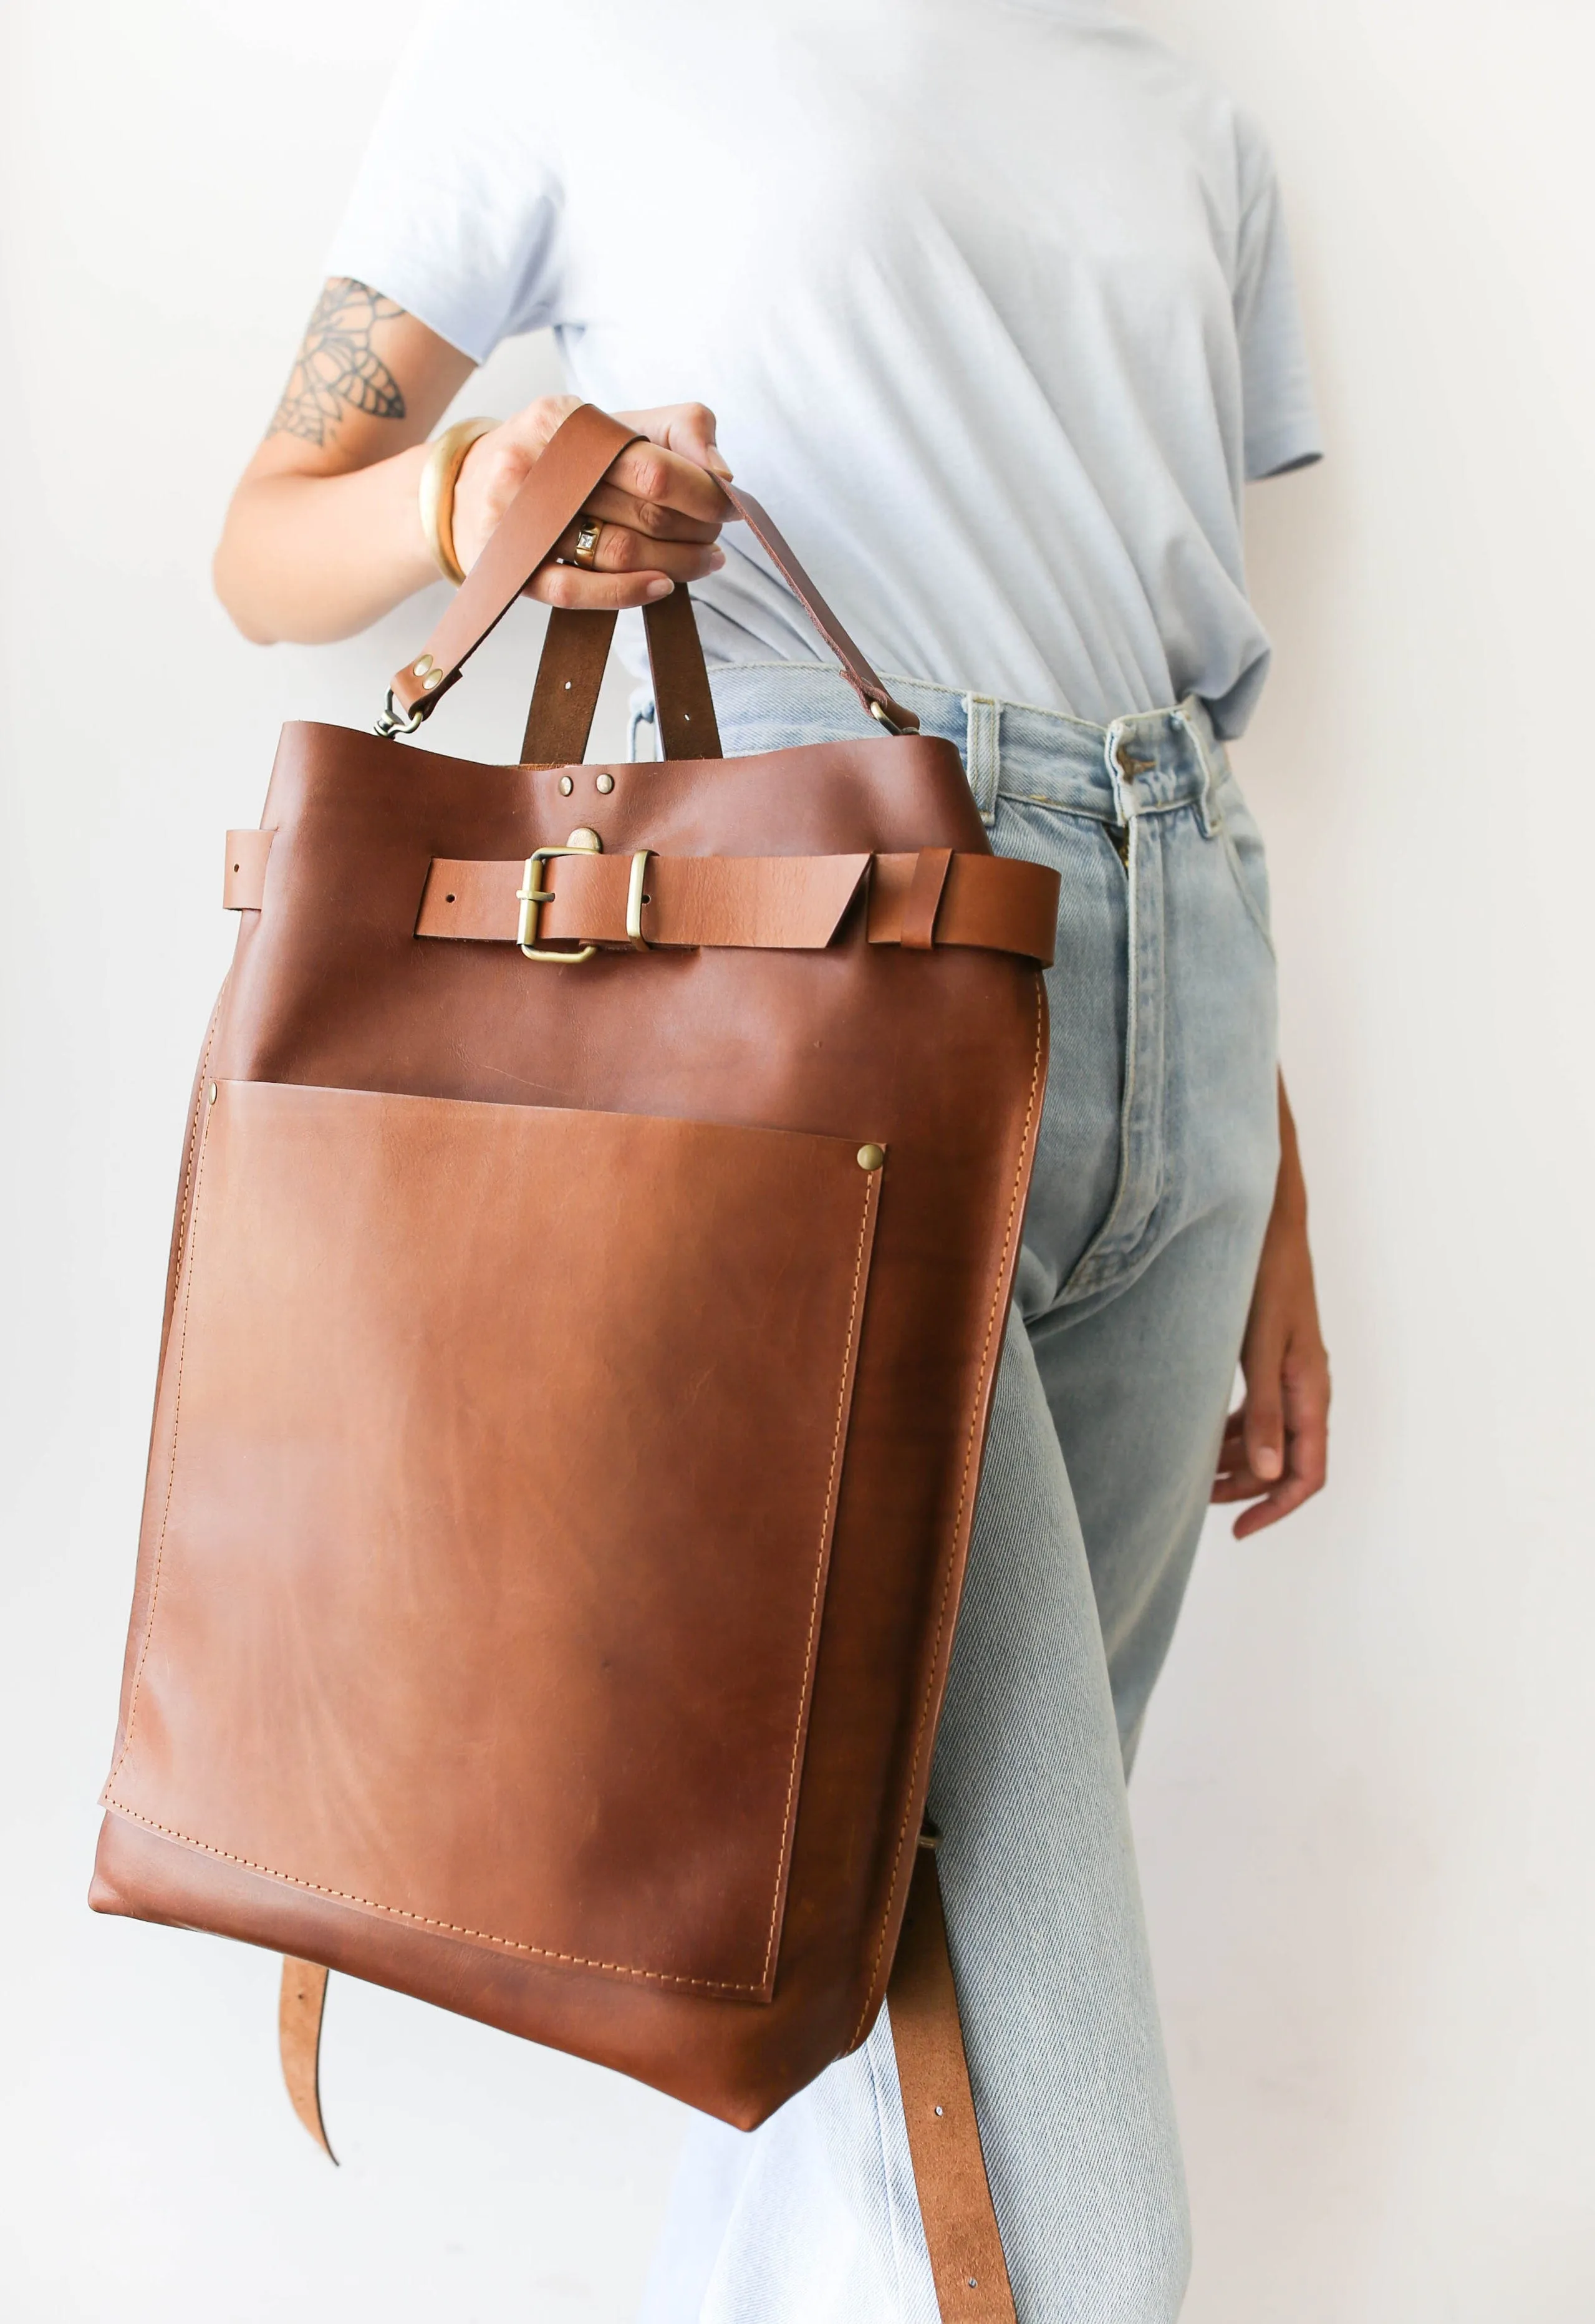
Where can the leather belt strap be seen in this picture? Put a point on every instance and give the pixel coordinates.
(300, 2009)
(764, 902)
(961, 2229)
(767, 902)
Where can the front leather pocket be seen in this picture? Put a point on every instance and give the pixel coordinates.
(491, 1508)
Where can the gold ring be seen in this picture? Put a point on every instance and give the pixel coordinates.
(585, 552)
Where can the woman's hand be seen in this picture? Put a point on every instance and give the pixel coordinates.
(659, 507)
(1276, 1446)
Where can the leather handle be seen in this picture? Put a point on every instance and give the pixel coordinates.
(573, 460)
(565, 696)
(570, 672)
(857, 671)
(577, 456)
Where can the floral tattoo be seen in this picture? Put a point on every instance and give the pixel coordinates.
(335, 369)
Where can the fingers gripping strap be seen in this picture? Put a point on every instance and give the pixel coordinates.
(570, 465)
(961, 2229)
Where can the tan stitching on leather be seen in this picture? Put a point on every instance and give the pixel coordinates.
(450, 1928)
(941, 1619)
(871, 1183)
(200, 1083)
(177, 1406)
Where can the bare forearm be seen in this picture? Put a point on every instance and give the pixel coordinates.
(313, 557)
(323, 534)
(1290, 1192)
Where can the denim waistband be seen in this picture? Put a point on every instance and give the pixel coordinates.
(1144, 763)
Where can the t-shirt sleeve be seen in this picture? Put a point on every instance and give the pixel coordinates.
(456, 211)
(1281, 421)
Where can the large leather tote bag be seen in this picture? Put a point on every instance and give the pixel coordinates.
(596, 1227)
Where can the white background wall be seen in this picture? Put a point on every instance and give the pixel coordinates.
(1366, 1801)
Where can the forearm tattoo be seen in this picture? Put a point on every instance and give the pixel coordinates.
(335, 369)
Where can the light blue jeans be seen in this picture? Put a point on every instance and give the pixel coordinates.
(1154, 1176)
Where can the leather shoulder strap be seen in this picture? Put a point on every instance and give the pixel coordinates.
(961, 2228)
(300, 2010)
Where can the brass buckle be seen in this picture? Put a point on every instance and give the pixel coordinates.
(531, 899)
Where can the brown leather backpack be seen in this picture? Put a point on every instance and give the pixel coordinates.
(597, 1222)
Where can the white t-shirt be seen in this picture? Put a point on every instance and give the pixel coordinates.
(991, 298)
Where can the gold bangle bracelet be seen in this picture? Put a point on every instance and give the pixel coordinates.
(438, 479)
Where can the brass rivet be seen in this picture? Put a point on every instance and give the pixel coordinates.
(423, 666)
(433, 677)
(605, 783)
(870, 1158)
(567, 784)
(588, 841)
(212, 1093)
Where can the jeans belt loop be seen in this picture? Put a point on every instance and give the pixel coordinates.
(983, 751)
(1192, 715)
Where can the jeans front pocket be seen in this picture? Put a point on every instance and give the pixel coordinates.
(1243, 847)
